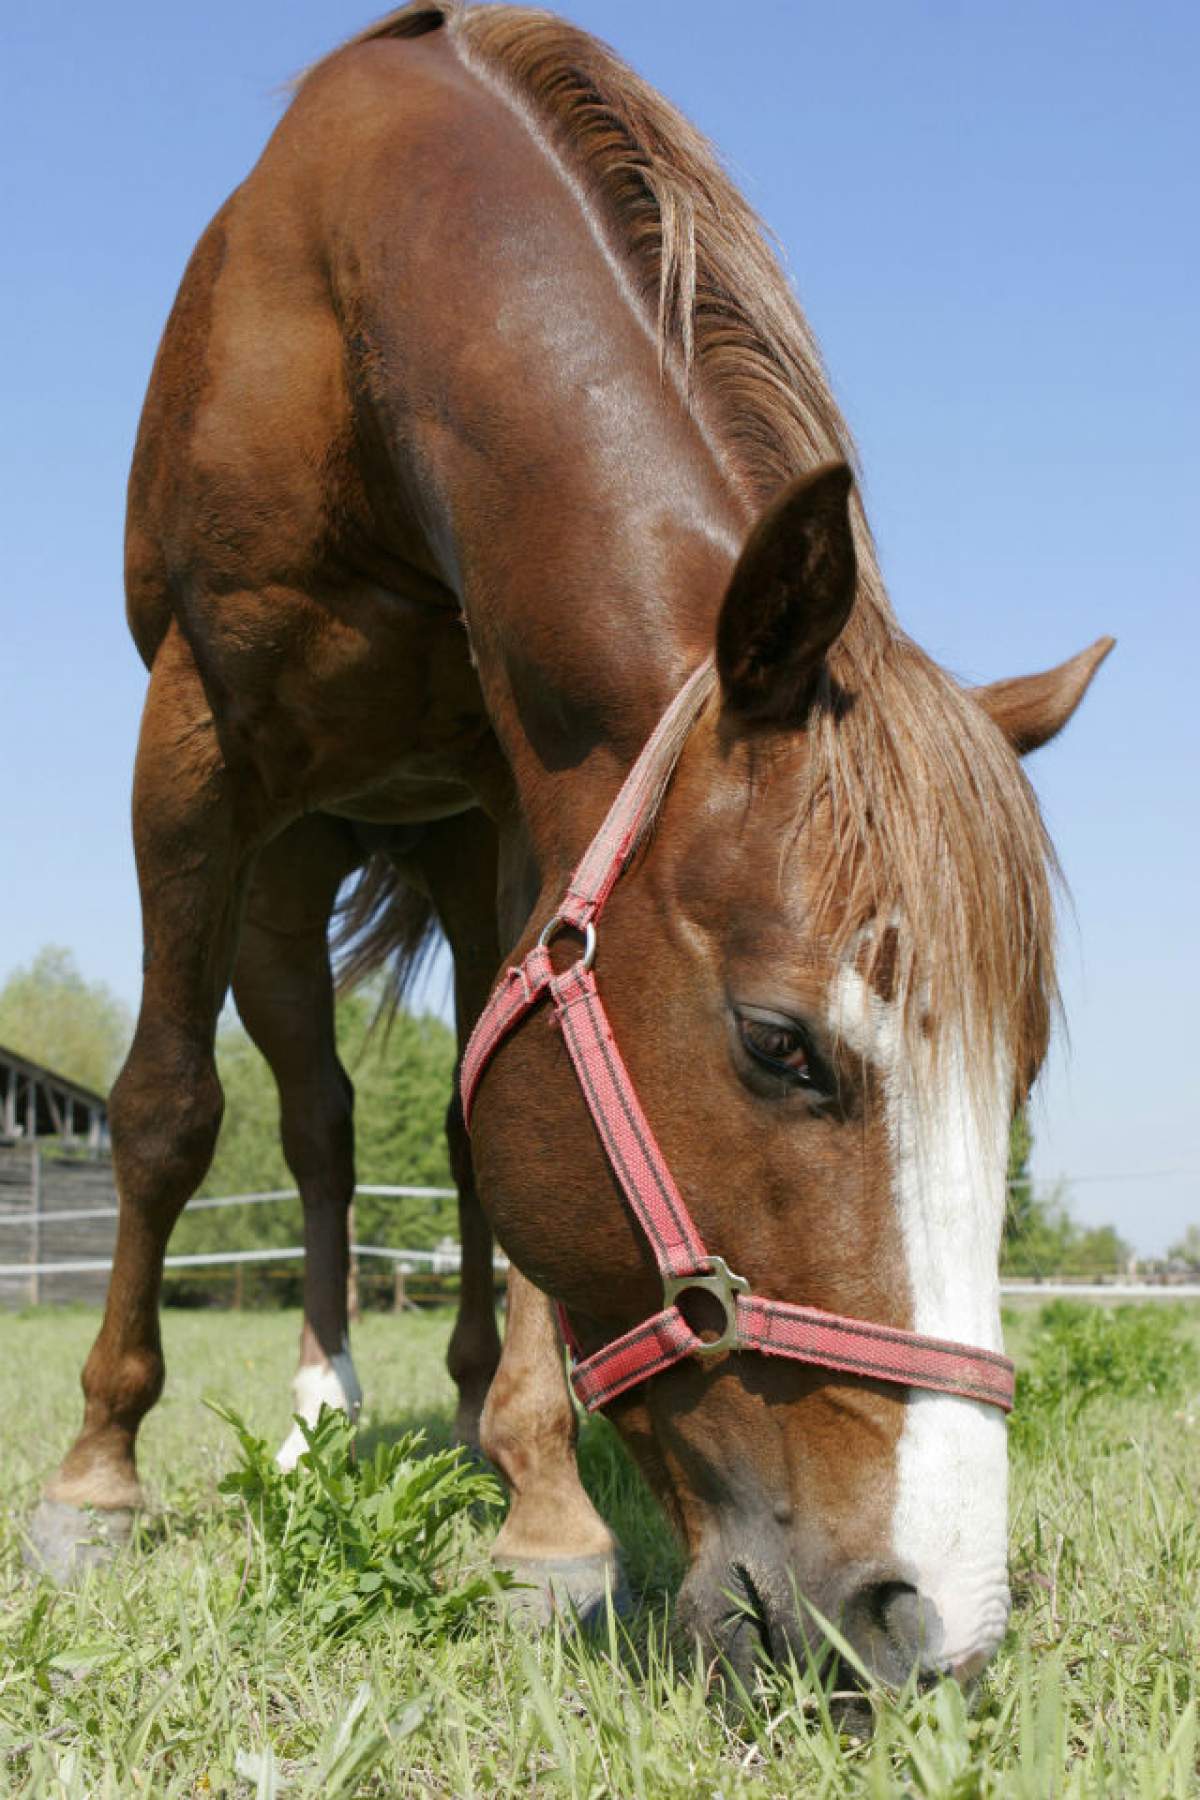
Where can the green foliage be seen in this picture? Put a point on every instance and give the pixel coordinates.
(403, 1081)
(402, 1086)
(1020, 1183)
(1037, 1231)
(249, 1159)
(1187, 1250)
(1042, 1242)
(154, 1678)
(1084, 1353)
(50, 1014)
(1055, 1244)
(1098, 1250)
(1040, 1236)
(347, 1538)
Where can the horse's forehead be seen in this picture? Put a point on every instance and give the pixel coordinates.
(746, 851)
(753, 841)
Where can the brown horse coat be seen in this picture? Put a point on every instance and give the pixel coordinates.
(470, 399)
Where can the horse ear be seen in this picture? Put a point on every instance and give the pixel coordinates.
(788, 599)
(1031, 709)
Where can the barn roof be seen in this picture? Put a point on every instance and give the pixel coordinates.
(36, 1101)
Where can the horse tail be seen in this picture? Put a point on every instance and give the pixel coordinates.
(384, 924)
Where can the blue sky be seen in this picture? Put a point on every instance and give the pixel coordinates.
(990, 216)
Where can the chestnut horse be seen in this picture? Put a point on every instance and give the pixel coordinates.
(483, 418)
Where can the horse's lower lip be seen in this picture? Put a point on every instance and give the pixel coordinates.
(966, 1670)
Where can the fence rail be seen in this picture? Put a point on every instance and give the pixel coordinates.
(448, 1262)
(62, 1212)
(440, 1262)
(23, 1215)
(1104, 1290)
(88, 1177)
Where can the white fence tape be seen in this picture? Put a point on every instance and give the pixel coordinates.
(1103, 1290)
(449, 1261)
(25, 1215)
(440, 1262)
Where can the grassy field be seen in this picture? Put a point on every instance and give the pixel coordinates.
(160, 1677)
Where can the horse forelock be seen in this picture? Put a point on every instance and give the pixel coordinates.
(922, 816)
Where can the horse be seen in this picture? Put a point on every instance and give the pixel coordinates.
(487, 467)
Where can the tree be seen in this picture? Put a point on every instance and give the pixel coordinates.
(1187, 1250)
(1100, 1251)
(51, 1015)
(1021, 1209)
(1036, 1228)
(1043, 1241)
(1040, 1236)
(248, 1157)
(402, 1083)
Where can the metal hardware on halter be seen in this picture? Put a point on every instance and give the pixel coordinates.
(552, 928)
(722, 1284)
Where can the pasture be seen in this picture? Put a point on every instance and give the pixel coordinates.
(159, 1678)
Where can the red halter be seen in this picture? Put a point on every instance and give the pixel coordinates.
(773, 1327)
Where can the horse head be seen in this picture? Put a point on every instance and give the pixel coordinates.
(829, 973)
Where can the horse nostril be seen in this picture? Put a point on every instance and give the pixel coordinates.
(899, 1629)
(910, 1622)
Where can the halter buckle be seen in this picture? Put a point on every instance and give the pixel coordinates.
(723, 1285)
(556, 924)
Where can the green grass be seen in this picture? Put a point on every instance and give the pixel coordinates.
(159, 1678)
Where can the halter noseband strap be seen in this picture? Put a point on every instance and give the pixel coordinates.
(773, 1327)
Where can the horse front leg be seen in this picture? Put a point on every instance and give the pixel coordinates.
(553, 1541)
(194, 840)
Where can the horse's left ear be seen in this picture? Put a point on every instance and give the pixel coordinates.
(789, 597)
(1031, 709)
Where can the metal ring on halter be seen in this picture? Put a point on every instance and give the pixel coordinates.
(588, 933)
(723, 1285)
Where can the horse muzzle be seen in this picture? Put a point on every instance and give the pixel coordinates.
(759, 1608)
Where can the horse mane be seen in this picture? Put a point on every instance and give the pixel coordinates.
(924, 810)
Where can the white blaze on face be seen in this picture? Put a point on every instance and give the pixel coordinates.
(332, 1383)
(949, 1159)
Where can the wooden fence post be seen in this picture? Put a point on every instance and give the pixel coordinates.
(352, 1305)
(35, 1225)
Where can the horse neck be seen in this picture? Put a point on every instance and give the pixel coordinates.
(579, 662)
(570, 493)
(591, 589)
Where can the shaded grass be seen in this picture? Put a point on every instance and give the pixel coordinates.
(137, 1684)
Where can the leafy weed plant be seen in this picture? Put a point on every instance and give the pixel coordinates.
(1084, 1353)
(346, 1539)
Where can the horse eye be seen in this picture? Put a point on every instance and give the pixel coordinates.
(778, 1045)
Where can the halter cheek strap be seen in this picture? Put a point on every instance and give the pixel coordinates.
(751, 1322)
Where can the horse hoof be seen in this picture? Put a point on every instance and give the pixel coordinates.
(573, 1589)
(62, 1541)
